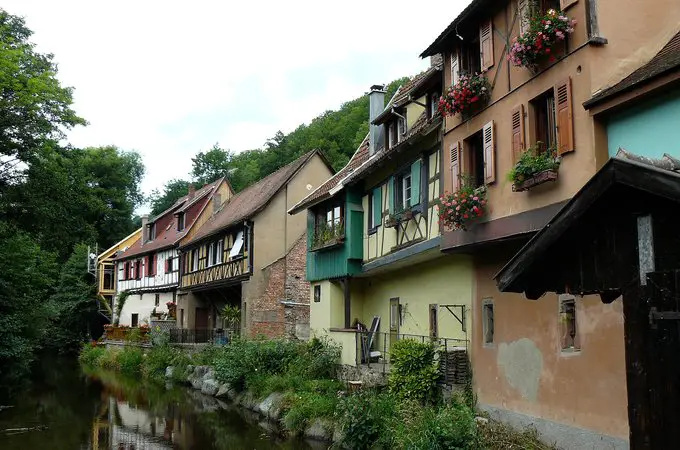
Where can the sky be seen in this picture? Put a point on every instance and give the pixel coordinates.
(169, 79)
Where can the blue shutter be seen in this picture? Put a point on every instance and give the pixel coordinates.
(415, 182)
(377, 206)
(390, 195)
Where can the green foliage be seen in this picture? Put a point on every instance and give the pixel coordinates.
(414, 372)
(365, 418)
(172, 191)
(130, 361)
(231, 315)
(307, 406)
(119, 303)
(499, 436)
(325, 233)
(90, 355)
(211, 165)
(533, 161)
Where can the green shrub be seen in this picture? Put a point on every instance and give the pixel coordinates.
(130, 361)
(303, 407)
(364, 418)
(109, 360)
(317, 359)
(414, 373)
(158, 358)
(90, 355)
(206, 356)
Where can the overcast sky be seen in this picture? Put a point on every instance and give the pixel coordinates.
(170, 79)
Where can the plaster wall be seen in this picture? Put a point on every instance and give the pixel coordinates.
(524, 371)
(143, 304)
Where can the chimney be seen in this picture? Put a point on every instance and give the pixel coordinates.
(192, 190)
(145, 229)
(376, 100)
(217, 202)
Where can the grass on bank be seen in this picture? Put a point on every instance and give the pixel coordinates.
(407, 415)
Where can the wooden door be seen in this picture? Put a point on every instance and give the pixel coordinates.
(652, 334)
(201, 318)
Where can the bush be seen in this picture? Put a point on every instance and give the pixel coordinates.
(414, 372)
(130, 361)
(91, 354)
(158, 358)
(305, 406)
(364, 418)
(317, 359)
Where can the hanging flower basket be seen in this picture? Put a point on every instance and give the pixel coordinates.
(458, 209)
(538, 44)
(465, 97)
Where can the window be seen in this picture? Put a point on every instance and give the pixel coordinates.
(404, 183)
(180, 221)
(181, 320)
(211, 254)
(151, 265)
(238, 247)
(375, 209)
(194, 260)
(434, 104)
(395, 314)
(434, 321)
(568, 336)
(138, 269)
(152, 231)
(455, 67)
(474, 159)
(317, 293)
(549, 4)
(219, 253)
(544, 120)
(135, 320)
(487, 321)
(157, 300)
(108, 277)
(401, 127)
(391, 135)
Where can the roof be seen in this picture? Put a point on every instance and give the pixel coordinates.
(658, 177)
(111, 250)
(253, 199)
(437, 45)
(169, 236)
(666, 60)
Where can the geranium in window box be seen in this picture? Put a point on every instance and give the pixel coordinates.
(406, 214)
(467, 96)
(457, 210)
(391, 221)
(533, 168)
(538, 44)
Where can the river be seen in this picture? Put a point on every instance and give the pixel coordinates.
(65, 408)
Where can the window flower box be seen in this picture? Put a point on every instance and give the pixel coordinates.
(406, 214)
(542, 40)
(534, 168)
(466, 97)
(457, 210)
(391, 221)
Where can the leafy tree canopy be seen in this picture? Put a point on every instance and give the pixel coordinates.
(172, 191)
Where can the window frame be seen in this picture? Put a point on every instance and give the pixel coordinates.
(317, 293)
(152, 231)
(567, 305)
(181, 219)
(544, 129)
(219, 252)
(488, 322)
(194, 260)
(211, 254)
(372, 226)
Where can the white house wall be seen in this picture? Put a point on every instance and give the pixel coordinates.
(143, 305)
(161, 278)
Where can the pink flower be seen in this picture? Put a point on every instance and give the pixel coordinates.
(475, 198)
(458, 208)
(573, 22)
(559, 34)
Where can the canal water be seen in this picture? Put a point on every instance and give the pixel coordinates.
(65, 408)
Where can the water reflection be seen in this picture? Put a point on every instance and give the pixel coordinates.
(100, 410)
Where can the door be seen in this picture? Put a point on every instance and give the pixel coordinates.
(201, 325)
(135, 320)
(395, 320)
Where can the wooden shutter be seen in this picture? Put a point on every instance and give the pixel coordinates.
(391, 192)
(517, 132)
(455, 166)
(415, 182)
(455, 67)
(147, 267)
(489, 153)
(486, 44)
(564, 4)
(124, 276)
(523, 16)
(377, 206)
(564, 119)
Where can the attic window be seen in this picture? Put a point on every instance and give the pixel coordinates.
(152, 231)
(401, 127)
(180, 221)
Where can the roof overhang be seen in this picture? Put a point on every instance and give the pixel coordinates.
(617, 171)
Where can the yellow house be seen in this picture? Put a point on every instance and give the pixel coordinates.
(373, 257)
(106, 273)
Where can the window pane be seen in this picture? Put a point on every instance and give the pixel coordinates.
(238, 245)
(336, 215)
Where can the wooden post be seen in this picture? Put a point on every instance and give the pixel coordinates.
(348, 313)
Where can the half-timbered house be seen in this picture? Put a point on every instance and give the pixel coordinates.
(373, 235)
(250, 254)
(148, 270)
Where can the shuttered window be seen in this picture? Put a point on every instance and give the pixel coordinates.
(517, 132)
(391, 194)
(564, 4)
(486, 45)
(455, 166)
(523, 16)
(123, 276)
(564, 119)
(376, 205)
(489, 153)
(416, 169)
(455, 67)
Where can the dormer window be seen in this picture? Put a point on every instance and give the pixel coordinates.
(391, 132)
(152, 231)
(180, 221)
(434, 103)
(401, 127)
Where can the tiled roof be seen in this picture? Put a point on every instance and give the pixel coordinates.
(474, 7)
(323, 192)
(251, 200)
(667, 59)
(401, 96)
(667, 162)
(169, 236)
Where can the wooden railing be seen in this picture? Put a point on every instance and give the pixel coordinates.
(230, 269)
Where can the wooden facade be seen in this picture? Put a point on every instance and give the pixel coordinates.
(147, 272)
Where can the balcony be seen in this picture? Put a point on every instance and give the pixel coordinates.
(328, 235)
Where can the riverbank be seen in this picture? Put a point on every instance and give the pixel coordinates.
(293, 385)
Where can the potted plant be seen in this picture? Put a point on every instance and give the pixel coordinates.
(328, 234)
(467, 95)
(172, 309)
(539, 41)
(533, 168)
(458, 209)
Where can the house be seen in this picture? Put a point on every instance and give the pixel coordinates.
(557, 364)
(106, 272)
(373, 262)
(148, 270)
(250, 254)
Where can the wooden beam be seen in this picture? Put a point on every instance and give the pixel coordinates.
(348, 300)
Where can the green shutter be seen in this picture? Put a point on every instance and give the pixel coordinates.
(415, 182)
(390, 195)
(377, 206)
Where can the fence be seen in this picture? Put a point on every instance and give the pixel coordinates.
(201, 336)
(373, 350)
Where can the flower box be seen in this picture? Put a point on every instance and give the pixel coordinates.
(331, 243)
(535, 180)
(406, 214)
(458, 210)
(391, 221)
(468, 96)
(542, 42)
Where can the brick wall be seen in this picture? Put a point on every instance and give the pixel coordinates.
(283, 308)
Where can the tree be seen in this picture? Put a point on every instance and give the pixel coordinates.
(211, 165)
(173, 190)
(34, 107)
